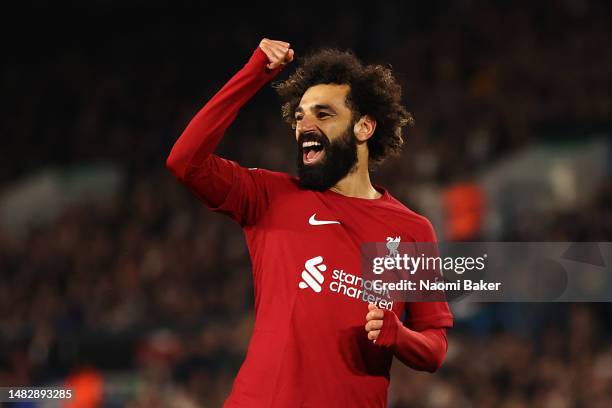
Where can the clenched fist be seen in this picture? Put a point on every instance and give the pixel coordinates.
(278, 52)
(374, 322)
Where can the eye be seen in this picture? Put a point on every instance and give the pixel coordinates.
(298, 117)
(322, 115)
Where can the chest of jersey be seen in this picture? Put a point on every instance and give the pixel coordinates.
(310, 246)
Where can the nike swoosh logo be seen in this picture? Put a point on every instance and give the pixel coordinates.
(313, 221)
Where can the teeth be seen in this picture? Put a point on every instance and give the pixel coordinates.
(309, 144)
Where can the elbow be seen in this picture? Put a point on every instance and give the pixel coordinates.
(434, 363)
(430, 360)
(437, 353)
(173, 164)
(437, 356)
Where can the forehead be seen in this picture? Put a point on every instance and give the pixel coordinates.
(325, 94)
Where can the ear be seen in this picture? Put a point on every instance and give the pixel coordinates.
(364, 128)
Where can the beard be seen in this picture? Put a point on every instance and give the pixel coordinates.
(340, 158)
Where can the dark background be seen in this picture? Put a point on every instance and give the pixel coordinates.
(142, 291)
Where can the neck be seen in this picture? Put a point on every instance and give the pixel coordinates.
(357, 182)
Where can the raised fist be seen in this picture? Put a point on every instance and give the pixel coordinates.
(278, 52)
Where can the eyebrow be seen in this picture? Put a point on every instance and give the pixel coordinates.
(299, 109)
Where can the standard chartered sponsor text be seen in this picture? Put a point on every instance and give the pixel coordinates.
(358, 288)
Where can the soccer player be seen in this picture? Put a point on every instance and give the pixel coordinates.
(314, 345)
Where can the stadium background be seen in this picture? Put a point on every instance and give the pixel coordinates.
(115, 280)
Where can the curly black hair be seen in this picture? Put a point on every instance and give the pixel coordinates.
(374, 91)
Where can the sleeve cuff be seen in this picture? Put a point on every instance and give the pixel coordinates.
(388, 333)
(260, 59)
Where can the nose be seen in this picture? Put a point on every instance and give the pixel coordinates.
(306, 124)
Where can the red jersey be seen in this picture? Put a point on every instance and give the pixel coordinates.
(309, 347)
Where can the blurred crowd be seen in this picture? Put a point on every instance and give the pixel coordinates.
(569, 364)
(150, 283)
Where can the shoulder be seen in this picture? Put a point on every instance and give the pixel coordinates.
(417, 225)
(274, 180)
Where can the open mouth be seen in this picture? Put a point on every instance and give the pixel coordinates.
(312, 152)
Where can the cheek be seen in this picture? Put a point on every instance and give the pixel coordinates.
(336, 131)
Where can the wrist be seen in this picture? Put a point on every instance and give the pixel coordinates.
(388, 333)
(260, 59)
